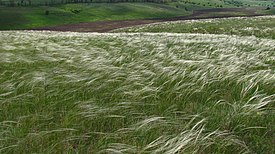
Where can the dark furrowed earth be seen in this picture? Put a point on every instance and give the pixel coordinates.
(106, 26)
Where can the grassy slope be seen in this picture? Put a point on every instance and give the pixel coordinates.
(138, 93)
(28, 17)
(263, 27)
(205, 2)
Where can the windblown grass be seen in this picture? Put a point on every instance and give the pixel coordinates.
(263, 27)
(136, 93)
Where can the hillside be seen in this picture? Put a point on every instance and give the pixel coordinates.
(36, 16)
(209, 3)
(30, 17)
(169, 77)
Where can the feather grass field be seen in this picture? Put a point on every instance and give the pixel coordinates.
(136, 93)
(261, 26)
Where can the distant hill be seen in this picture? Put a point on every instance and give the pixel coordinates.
(217, 3)
(26, 14)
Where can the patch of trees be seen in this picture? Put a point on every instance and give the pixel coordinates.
(16, 2)
(190, 2)
(235, 3)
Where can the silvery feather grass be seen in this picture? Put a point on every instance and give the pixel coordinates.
(136, 93)
(261, 26)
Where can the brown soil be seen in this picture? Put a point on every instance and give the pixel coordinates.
(106, 26)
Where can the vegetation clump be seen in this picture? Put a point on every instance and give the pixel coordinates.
(47, 12)
(75, 11)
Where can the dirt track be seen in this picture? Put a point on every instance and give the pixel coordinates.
(105, 26)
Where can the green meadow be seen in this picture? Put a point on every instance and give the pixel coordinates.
(31, 17)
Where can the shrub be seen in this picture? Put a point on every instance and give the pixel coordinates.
(47, 12)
